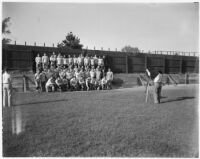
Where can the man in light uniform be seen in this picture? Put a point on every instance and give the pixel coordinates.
(109, 78)
(79, 60)
(158, 87)
(98, 77)
(70, 60)
(92, 76)
(59, 61)
(69, 76)
(45, 61)
(100, 62)
(53, 59)
(95, 60)
(65, 61)
(59, 83)
(75, 60)
(50, 84)
(38, 61)
(43, 80)
(86, 61)
(7, 89)
(92, 61)
(37, 79)
(103, 83)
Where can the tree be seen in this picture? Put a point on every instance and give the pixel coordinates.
(129, 48)
(5, 30)
(71, 41)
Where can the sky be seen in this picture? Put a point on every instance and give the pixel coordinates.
(148, 26)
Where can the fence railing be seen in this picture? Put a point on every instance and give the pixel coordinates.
(178, 53)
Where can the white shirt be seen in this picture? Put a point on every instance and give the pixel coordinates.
(86, 60)
(100, 61)
(98, 75)
(70, 60)
(38, 59)
(75, 60)
(158, 78)
(53, 58)
(79, 60)
(65, 61)
(45, 59)
(6, 78)
(92, 61)
(109, 76)
(103, 80)
(49, 82)
(59, 60)
(92, 73)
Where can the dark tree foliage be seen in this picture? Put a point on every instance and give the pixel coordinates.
(129, 48)
(71, 41)
(5, 30)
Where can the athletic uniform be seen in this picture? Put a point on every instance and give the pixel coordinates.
(50, 84)
(45, 61)
(95, 61)
(70, 60)
(53, 60)
(92, 61)
(103, 83)
(86, 61)
(43, 80)
(38, 61)
(109, 78)
(75, 60)
(65, 62)
(59, 61)
(100, 62)
(74, 83)
(38, 81)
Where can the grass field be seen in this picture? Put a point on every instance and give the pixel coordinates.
(112, 123)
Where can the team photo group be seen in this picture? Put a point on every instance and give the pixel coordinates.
(71, 73)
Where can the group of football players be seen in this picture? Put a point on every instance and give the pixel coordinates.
(63, 73)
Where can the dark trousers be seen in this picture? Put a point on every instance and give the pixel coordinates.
(157, 92)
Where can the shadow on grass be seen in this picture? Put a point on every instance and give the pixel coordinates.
(178, 99)
(41, 102)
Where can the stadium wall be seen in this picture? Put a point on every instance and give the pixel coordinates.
(21, 57)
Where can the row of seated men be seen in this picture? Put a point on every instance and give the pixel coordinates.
(63, 61)
(73, 79)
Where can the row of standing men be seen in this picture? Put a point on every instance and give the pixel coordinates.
(63, 61)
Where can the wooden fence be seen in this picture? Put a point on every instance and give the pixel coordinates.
(21, 57)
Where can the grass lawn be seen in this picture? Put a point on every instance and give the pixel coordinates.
(112, 123)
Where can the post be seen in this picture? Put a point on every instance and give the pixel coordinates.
(53, 44)
(35, 43)
(44, 44)
(186, 78)
(94, 47)
(15, 42)
(116, 49)
(24, 83)
(108, 49)
(145, 61)
(163, 64)
(181, 65)
(126, 63)
(25, 43)
(101, 48)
